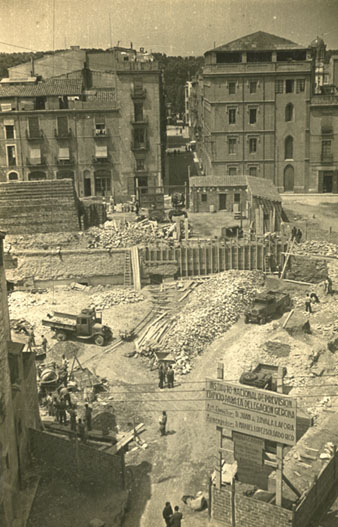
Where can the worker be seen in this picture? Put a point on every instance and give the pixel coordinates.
(88, 417)
(176, 517)
(72, 416)
(56, 404)
(65, 395)
(314, 298)
(64, 362)
(329, 286)
(44, 344)
(161, 375)
(62, 412)
(299, 236)
(31, 341)
(167, 513)
(50, 405)
(137, 207)
(170, 376)
(163, 423)
(294, 233)
(308, 307)
(81, 430)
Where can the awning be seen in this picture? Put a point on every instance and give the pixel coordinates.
(101, 151)
(35, 155)
(64, 153)
(6, 107)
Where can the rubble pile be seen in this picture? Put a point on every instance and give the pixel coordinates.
(112, 298)
(116, 234)
(316, 247)
(21, 299)
(213, 308)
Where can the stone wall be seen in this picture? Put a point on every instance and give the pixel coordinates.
(28, 207)
(305, 269)
(76, 460)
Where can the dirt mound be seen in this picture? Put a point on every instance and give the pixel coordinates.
(67, 348)
(277, 348)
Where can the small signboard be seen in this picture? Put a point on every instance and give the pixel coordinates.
(248, 447)
(259, 413)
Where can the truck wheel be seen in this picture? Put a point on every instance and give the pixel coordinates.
(99, 340)
(61, 336)
(249, 377)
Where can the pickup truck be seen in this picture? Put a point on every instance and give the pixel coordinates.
(266, 305)
(86, 325)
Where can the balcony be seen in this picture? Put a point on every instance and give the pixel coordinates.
(101, 160)
(36, 162)
(326, 158)
(100, 133)
(65, 162)
(140, 147)
(36, 135)
(138, 93)
(65, 134)
(139, 122)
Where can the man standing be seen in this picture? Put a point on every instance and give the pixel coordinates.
(176, 517)
(88, 417)
(72, 415)
(163, 423)
(62, 412)
(31, 341)
(167, 513)
(161, 375)
(44, 344)
(308, 307)
(81, 430)
(170, 377)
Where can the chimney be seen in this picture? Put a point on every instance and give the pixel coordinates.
(32, 67)
(131, 45)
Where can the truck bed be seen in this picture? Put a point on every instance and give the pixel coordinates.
(61, 323)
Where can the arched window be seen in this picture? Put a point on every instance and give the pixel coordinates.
(13, 176)
(288, 147)
(65, 174)
(35, 176)
(289, 112)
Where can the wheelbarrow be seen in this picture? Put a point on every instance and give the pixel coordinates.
(127, 335)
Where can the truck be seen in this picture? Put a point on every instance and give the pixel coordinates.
(266, 305)
(85, 325)
(264, 376)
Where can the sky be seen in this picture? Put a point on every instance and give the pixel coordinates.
(174, 27)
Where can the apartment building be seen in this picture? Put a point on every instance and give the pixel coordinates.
(95, 117)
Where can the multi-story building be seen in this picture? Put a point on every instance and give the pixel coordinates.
(95, 117)
(19, 409)
(255, 110)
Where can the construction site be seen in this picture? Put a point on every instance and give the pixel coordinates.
(245, 317)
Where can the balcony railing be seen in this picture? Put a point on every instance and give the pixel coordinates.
(64, 162)
(101, 160)
(100, 133)
(326, 158)
(66, 134)
(34, 136)
(36, 162)
(135, 146)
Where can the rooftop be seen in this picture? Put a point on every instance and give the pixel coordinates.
(258, 41)
(259, 187)
(49, 87)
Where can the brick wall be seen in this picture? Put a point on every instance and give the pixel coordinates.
(249, 512)
(92, 466)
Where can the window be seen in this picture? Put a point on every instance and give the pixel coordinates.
(204, 197)
(35, 156)
(252, 115)
(289, 86)
(279, 85)
(300, 85)
(33, 127)
(11, 156)
(62, 126)
(232, 171)
(253, 171)
(252, 145)
(102, 183)
(139, 164)
(232, 88)
(288, 147)
(232, 145)
(9, 129)
(138, 111)
(289, 112)
(64, 154)
(101, 151)
(237, 197)
(253, 86)
(100, 126)
(326, 147)
(13, 176)
(139, 137)
(232, 115)
(36, 176)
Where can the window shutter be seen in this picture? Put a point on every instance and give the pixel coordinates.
(35, 155)
(64, 153)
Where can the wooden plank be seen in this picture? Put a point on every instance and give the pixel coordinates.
(205, 260)
(218, 258)
(127, 438)
(199, 260)
(230, 267)
(187, 254)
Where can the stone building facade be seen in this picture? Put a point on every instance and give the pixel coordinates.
(257, 109)
(95, 117)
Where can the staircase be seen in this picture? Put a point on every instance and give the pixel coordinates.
(28, 207)
(127, 278)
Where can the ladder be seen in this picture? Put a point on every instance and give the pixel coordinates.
(127, 277)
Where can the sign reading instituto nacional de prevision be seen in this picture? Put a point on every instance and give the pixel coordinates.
(259, 413)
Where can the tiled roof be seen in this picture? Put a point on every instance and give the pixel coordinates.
(259, 187)
(258, 41)
(50, 87)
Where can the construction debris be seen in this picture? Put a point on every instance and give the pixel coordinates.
(114, 297)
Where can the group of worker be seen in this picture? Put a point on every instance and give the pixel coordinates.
(312, 298)
(60, 404)
(31, 343)
(172, 518)
(166, 375)
(296, 234)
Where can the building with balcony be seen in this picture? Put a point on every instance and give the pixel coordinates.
(94, 117)
(19, 410)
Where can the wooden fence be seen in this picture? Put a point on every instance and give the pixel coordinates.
(194, 259)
